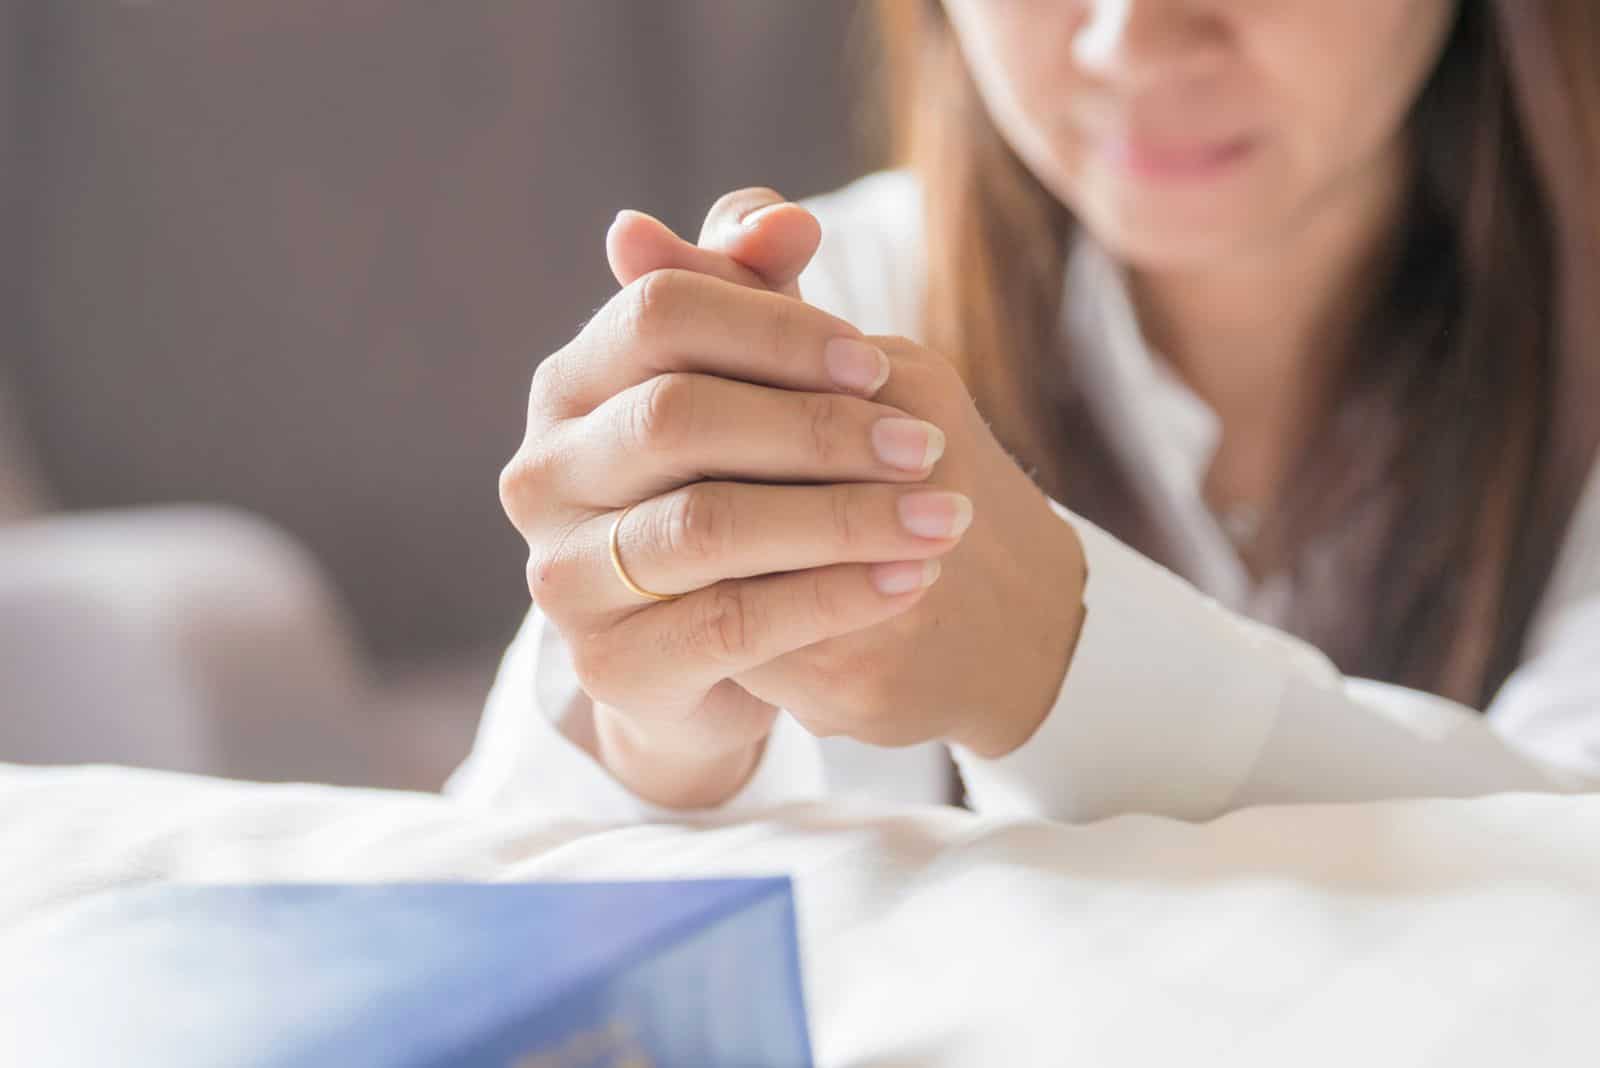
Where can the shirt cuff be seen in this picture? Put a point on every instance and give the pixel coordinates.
(524, 754)
(1164, 708)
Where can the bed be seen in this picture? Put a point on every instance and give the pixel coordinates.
(1418, 933)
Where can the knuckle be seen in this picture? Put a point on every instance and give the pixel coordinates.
(510, 487)
(725, 628)
(542, 387)
(877, 687)
(551, 384)
(919, 363)
(546, 573)
(825, 602)
(832, 659)
(700, 521)
(947, 378)
(784, 327)
(651, 303)
(664, 417)
(592, 665)
(876, 698)
(822, 420)
(543, 574)
(943, 377)
(900, 348)
(534, 572)
(555, 573)
(519, 483)
(845, 529)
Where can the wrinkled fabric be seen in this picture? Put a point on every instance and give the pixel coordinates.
(1449, 933)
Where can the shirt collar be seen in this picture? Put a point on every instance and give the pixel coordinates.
(1152, 414)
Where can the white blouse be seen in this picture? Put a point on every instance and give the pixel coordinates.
(1175, 703)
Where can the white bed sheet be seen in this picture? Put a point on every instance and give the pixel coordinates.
(1417, 933)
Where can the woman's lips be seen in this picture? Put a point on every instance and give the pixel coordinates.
(1161, 161)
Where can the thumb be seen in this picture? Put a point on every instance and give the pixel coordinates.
(637, 244)
(752, 237)
(767, 235)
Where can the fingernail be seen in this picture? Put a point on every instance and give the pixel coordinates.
(909, 444)
(936, 515)
(898, 578)
(753, 219)
(856, 365)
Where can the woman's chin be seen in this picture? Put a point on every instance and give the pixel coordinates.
(1176, 226)
(1167, 246)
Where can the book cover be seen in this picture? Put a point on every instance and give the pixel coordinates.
(515, 975)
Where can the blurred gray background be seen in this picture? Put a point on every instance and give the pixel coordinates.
(276, 273)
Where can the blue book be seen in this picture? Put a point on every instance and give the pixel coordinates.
(514, 975)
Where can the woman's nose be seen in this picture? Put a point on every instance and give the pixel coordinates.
(1140, 41)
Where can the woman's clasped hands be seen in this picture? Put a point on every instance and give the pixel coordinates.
(735, 502)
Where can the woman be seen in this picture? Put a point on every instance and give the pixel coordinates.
(1294, 298)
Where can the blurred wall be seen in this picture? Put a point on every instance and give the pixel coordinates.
(301, 255)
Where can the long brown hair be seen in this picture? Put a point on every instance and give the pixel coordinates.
(1427, 511)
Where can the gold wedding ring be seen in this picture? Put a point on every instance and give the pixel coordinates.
(622, 572)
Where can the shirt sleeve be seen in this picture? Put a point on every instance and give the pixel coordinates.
(1177, 706)
(526, 751)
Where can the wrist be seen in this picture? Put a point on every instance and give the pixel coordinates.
(1045, 647)
(668, 777)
